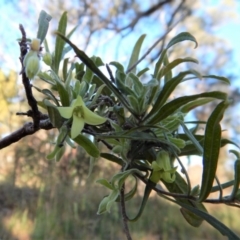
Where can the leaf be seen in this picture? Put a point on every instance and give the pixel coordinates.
(43, 24)
(112, 158)
(224, 230)
(147, 191)
(63, 131)
(182, 37)
(159, 64)
(223, 79)
(135, 54)
(141, 72)
(62, 91)
(62, 26)
(65, 70)
(89, 63)
(175, 104)
(166, 92)
(192, 138)
(180, 186)
(196, 103)
(211, 147)
(191, 218)
(55, 117)
(49, 94)
(46, 78)
(222, 186)
(174, 63)
(105, 183)
(236, 179)
(97, 94)
(131, 193)
(88, 145)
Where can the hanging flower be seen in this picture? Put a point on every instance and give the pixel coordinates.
(80, 115)
(31, 61)
(162, 168)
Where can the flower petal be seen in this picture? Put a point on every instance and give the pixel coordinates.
(92, 118)
(78, 102)
(66, 112)
(77, 126)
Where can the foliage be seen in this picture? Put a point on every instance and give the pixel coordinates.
(145, 131)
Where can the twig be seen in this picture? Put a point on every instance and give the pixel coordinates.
(26, 83)
(124, 214)
(110, 73)
(144, 14)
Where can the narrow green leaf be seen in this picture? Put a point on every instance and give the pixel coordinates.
(59, 154)
(88, 75)
(112, 158)
(223, 186)
(192, 138)
(175, 104)
(62, 91)
(146, 195)
(62, 26)
(193, 219)
(53, 113)
(88, 145)
(97, 94)
(46, 46)
(211, 147)
(141, 72)
(223, 79)
(43, 24)
(236, 179)
(180, 186)
(168, 74)
(196, 103)
(182, 37)
(72, 31)
(46, 78)
(65, 70)
(48, 93)
(131, 193)
(224, 230)
(166, 92)
(159, 64)
(174, 63)
(63, 131)
(118, 65)
(105, 183)
(135, 54)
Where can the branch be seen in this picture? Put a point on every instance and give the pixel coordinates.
(146, 13)
(27, 129)
(26, 83)
(160, 190)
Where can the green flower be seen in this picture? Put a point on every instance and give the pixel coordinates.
(81, 115)
(162, 168)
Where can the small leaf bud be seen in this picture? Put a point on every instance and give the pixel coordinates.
(47, 58)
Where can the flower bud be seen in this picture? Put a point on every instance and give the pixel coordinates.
(47, 58)
(35, 44)
(32, 65)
